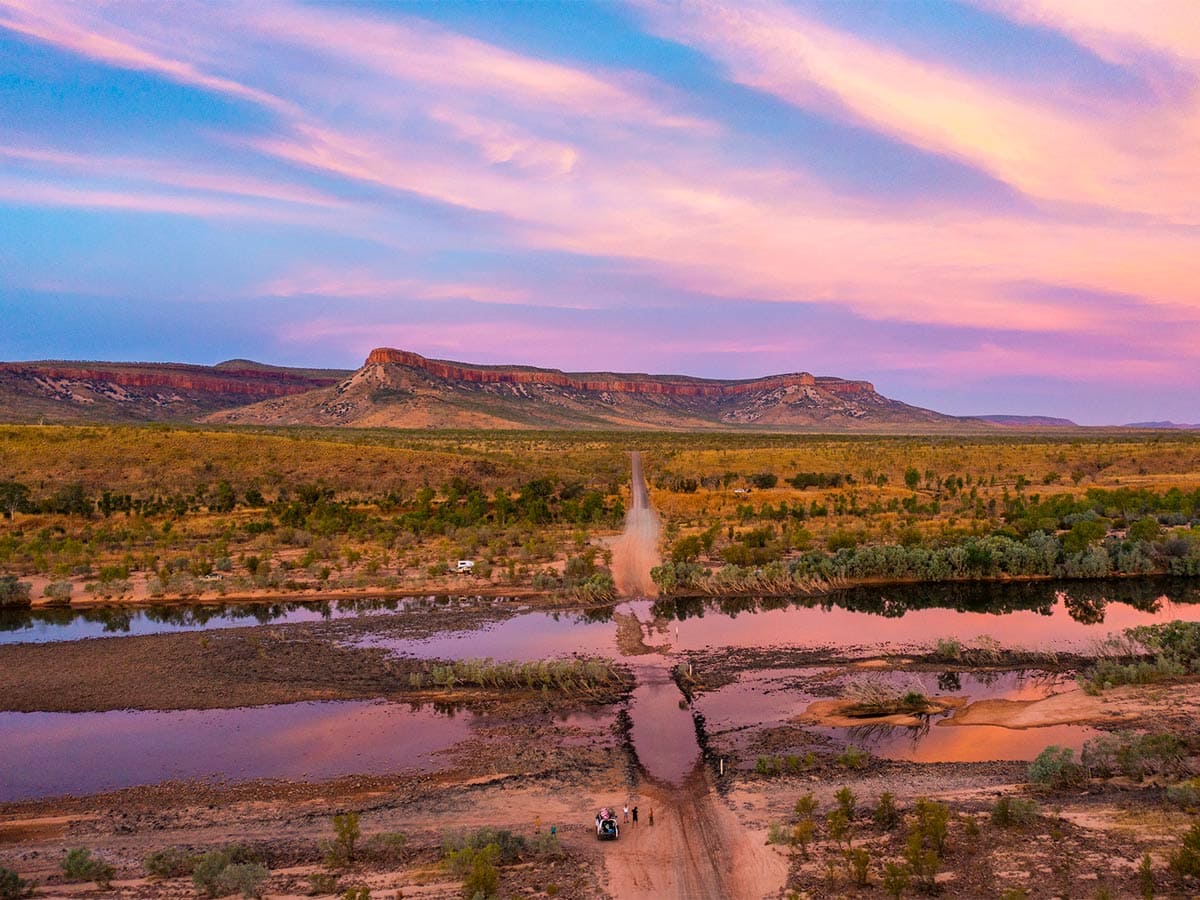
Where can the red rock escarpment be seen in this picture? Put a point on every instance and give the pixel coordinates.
(666, 385)
(174, 376)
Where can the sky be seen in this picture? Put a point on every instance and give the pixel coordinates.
(989, 206)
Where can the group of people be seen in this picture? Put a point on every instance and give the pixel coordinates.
(635, 814)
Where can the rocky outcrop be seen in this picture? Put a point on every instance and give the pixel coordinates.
(254, 384)
(663, 385)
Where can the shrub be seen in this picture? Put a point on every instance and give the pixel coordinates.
(896, 879)
(242, 878)
(859, 861)
(805, 807)
(932, 823)
(854, 758)
(777, 833)
(172, 862)
(340, 851)
(1146, 876)
(886, 815)
(13, 886)
(508, 846)
(207, 872)
(384, 847)
(322, 883)
(802, 835)
(80, 865)
(839, 827)
(357, 892)
(482, 880)
(58, 593)
(847, 802)
(1186, 860)
(14, 593)
(1055, 767)
(1010, 812)
(1186, 794)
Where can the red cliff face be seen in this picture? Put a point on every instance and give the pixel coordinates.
(181, 378)
(666, 385)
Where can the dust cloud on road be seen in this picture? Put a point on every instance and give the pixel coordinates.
(635, 553)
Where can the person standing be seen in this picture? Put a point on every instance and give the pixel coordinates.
(635, 815)
(652, 817)
(626, 810)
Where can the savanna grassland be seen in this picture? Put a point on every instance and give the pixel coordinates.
(161, 512)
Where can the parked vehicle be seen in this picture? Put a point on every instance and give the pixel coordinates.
(606, 825)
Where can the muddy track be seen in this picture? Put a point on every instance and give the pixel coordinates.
(635, 553)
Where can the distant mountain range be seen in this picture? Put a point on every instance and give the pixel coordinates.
(401, 389)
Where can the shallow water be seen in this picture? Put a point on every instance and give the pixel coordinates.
(50, 754)
(772, 698)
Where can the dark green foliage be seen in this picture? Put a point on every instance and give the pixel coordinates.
(1134, 755)
(171, 862)
(1055, 767)
(509, 846)
(886, 815)
(80, 865)
(340, 851)
(839, 827)
(1146, 876)
(13, 886)
(1186, 860)
(896, 879)
(858, 861)
(847, 802)
(1014, 812)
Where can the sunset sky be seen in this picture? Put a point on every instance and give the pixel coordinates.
(982, 207)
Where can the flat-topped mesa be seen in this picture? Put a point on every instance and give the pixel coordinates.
(173, 376)
(669, 385)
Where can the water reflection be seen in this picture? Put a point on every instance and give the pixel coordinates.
(48, 624)
(49, 754)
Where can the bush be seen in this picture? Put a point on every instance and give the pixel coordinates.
(1055, 767)
(14, 593)
(242, 878)
(322, 883)
(206, 874)
(1010, 812)
(340, 851)
(80, 865)
(1186, 860)
(172, 862)
(854, 758)
(384, 847)
(847, 802)
(886, 815)
(13, 886)
(859, 861)
(58, 593)
(482, 880)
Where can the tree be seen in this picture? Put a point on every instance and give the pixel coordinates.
(14, 498)
(911, 478)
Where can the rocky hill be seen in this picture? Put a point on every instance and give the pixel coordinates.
(56, 391)
(397, 388)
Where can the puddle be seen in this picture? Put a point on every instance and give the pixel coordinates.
(50, 754)
(663, 732)
(772, 698)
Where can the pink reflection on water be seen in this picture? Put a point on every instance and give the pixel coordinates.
(663, 733)
(48, 754)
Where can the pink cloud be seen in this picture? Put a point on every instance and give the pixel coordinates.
(1047, 152)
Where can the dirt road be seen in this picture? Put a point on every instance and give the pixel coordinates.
(635, 553)
(696, 848)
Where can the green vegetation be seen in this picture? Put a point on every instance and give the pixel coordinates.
(171, 862)
(235, 868)
(1186, 859)
(1014, 812)
(1146, 654)
(80, 865)
(13, 886)
(339, 852)
(13, 592)
(573, 676)
(1055, 767)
